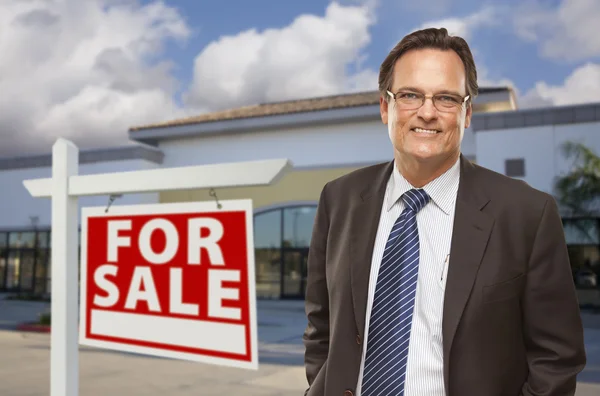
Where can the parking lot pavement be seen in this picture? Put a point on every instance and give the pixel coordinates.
(25, 363)
(24, 367)
(24, 370)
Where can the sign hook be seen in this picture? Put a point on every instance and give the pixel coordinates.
(111, 199)
(213, 193)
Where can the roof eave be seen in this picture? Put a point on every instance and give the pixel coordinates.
(365, 112)
(537, 117)
(89, 156)
(263, 123)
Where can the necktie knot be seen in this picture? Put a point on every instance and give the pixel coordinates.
(415, 199)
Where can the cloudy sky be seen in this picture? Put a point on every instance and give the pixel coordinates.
(87, 70)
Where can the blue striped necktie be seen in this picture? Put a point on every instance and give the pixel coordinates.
(393, 305)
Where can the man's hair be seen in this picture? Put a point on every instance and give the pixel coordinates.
(435, 39)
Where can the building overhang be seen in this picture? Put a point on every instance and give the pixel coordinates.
(90, 156)
(153, 135)
(535, 117)
(365, 108)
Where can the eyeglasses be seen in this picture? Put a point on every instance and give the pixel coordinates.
(408, 100)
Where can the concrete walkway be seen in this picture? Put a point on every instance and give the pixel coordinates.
(24, 369)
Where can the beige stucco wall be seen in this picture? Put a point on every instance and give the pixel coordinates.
(296, 185)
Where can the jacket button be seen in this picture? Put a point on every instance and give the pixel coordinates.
(358, 340)
(348, 393)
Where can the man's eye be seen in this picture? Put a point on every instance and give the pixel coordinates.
(408, 95)
(446, 98)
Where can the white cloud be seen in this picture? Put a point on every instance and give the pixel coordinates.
(485, 80)
(581, 86)
(89, 70)
(365, 80)
(83, 70)
(465, 26)
(310, 57)
(568, 32)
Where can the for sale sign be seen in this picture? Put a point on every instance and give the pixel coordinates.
(171, 280)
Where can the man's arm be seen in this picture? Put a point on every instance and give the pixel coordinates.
(316, 335)
(552, 322)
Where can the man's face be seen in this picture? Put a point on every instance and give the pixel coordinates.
(428, 71)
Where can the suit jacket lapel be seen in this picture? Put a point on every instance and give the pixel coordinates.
(364, 230)
(472, 229)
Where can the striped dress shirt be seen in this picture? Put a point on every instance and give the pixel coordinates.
(425, 369)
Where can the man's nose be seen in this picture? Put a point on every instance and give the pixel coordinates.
(428, 110)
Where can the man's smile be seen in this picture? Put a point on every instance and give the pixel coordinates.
(426, 131)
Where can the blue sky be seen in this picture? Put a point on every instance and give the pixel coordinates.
(89, 70)
(505, 54)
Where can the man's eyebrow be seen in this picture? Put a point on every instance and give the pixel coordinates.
(445, 91)
(410, 89)
(415, 89)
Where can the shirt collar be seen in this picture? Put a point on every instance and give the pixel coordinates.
(442, 190)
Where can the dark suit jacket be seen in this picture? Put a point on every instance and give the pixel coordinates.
(511, 321)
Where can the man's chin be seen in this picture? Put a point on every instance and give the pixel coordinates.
(424, 154)
(425, 157)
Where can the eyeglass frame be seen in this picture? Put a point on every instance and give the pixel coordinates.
(425, 97)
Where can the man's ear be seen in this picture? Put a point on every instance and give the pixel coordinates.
(383, 109)
(468, 115)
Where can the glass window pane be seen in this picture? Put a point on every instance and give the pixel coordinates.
(41, 272)
(585, 262)
(42, 239)
(581, 231)
(268, 273)
(3, 239)
(2, 268)
(21, 239)
(294, 273)
(26, 270)
(49, 272)
(298, 224)
(12, 275)
(267, 230)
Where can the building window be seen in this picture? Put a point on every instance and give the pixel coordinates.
(267, 230)
(281, 241)
(21, 240)
(24, 262)
(583, 240)
(514, 167)
(298, 223)
(267, 254)
(582, 231)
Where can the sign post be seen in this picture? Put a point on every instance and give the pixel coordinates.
(226, 310)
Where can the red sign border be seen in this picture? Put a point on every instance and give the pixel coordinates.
(156, 349)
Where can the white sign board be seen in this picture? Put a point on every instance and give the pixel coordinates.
(172, 280)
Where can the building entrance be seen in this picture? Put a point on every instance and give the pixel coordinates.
(293, 273)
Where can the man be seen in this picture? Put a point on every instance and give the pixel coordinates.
(429, 275)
